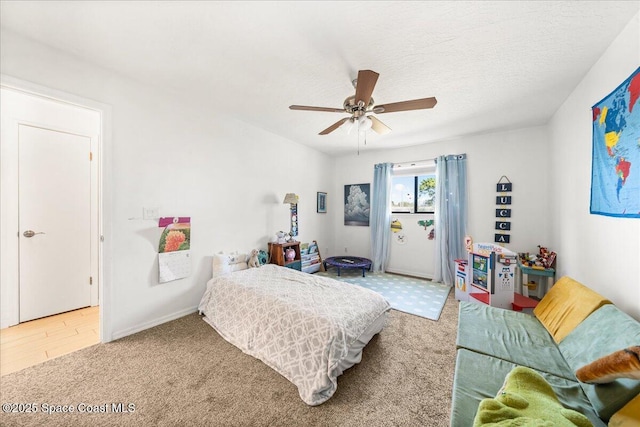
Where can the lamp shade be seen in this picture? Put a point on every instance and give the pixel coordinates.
(291, 198)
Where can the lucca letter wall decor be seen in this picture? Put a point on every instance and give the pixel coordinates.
(503, 213)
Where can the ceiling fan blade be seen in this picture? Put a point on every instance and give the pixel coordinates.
(306, 108)
(416, 104)
(364, 88)
(334, 126)
(378, 126)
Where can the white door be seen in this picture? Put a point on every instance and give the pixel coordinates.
(54, 198)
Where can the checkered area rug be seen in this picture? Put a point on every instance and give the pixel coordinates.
(411, 295)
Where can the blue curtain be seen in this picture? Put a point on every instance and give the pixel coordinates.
(450, 215)
(380, 216)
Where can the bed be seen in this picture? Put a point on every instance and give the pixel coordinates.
(306, 327)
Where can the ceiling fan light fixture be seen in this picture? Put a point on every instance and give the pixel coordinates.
(348, 126)
(364, 123)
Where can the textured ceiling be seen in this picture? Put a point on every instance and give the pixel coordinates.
(491, 65)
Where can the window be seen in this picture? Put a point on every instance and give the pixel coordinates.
(409, 181)
(426, 193)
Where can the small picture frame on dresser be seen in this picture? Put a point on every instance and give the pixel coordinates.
(322, 202)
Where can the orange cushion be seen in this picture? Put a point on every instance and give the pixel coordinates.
(566, 305)
(628, 416)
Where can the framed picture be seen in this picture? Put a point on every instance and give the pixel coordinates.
(356, 204)
(322, 202)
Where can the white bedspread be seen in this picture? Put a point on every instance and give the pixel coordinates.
(301, 325)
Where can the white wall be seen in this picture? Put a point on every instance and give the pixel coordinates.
(187, 160)
(601, 252)
(521, 155)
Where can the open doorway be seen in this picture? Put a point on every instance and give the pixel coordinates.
(51, 281)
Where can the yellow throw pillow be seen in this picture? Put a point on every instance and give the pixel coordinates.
(619, 364)
(566, 305)
(628, 416)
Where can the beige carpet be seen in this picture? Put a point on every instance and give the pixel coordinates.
(182, 373)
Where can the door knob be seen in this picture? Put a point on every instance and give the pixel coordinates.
(31, 233)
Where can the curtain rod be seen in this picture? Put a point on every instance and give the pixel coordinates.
(414, 163)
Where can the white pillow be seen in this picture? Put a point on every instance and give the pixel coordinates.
(224, 263)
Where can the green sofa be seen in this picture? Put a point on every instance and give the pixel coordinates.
(571, 327)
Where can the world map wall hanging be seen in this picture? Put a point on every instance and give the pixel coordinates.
(615, 168)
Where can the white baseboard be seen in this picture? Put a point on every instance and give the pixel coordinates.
(420, 274)
(146, 325)
(6, 321)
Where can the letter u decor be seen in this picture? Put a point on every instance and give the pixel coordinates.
(503, 213)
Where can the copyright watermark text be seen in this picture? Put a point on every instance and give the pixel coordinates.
(81, 408)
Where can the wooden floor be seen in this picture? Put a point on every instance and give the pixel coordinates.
(33, 342)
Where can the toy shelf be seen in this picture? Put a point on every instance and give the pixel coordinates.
(548, 274)
(310, 257)
(277, 254)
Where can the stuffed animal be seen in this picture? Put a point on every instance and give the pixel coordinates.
(253, 259)
(619, 364)
(262, 257)
(281, 237)
(527, 399)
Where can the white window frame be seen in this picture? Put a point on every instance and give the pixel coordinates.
(414, 170)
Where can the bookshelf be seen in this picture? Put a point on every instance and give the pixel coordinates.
(310, 257)
(277, 254)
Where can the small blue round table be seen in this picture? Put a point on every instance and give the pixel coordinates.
(348, 262)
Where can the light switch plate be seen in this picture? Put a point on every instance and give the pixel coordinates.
(150, 213)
